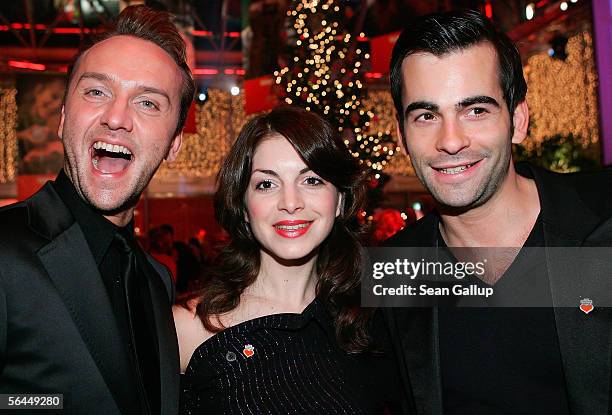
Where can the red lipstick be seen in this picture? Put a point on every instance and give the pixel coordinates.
(292, 228)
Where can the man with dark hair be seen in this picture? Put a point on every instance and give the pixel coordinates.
(84, 312)
(459, 91)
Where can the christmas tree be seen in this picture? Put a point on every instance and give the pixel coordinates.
(325, 75)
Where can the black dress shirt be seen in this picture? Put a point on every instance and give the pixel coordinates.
(138, 329)
(287, 364)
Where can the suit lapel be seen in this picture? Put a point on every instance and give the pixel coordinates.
(416, 342)
(74, 273)
(601, 236)
(166, 336)
(585, 341)
(415, 331)
(78, 281)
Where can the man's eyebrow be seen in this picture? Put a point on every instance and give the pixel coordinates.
(95, 75)
(420, 105)
(102, 77)
(477, 99)
(153, 90)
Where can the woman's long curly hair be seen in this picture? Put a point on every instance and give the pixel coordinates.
(338, 264)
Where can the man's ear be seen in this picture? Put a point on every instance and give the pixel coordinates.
(400, 137)
(175, 146)
(520, 118)
(340, 205)
(60, 128)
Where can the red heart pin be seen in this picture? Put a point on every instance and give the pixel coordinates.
(249, 350)
(586, 308)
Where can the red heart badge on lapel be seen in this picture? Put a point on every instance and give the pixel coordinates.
(249, 350)
(586, 305)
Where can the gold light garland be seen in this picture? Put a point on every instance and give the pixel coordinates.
(218, 122)
(8, 136)
(562, 95)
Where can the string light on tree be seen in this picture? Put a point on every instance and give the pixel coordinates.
(325, 76)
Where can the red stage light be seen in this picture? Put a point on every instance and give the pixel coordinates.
(489, 10)
(27, 65)
(205, 71)
(203, 33)
(70, 30)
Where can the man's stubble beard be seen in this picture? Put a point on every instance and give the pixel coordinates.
(482, 196)
(77, 175)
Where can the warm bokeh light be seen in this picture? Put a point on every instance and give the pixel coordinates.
(218, 122)
(562, 95)
(8, 137)
(326, 77)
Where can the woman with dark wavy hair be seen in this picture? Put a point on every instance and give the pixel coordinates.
(277, 326)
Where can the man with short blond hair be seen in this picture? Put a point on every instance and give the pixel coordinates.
(84, 312)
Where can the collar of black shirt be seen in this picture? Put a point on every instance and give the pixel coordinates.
(99, 232)
(316, 312)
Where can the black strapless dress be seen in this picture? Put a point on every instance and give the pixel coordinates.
(287, 364)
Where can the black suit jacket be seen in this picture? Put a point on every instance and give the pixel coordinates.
(575, 211)
(58, 333)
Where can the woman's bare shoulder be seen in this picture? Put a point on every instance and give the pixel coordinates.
(190, 331)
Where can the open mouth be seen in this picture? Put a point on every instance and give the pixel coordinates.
(456, 169)
(292, 228)
(110, 158)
